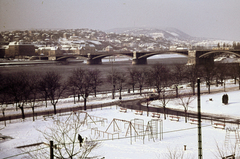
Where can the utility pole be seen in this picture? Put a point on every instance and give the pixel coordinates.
(199, 121)
(113, 86)
(51, 149)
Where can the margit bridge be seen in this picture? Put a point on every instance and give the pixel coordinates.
(195, 57)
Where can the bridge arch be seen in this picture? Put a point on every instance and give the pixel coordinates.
(137, 57)
(219, 51)
(163, 52)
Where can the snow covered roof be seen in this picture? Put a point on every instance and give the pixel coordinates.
(19, 43)
(73, 48)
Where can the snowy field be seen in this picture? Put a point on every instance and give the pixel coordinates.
(175, 134)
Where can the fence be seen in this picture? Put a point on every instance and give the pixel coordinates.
(59, 111)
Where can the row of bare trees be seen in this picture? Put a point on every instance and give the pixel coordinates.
(23, 89)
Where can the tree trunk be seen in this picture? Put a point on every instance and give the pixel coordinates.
(33, 113)
(147, 108)
(17, 105)
(133, 88)
(209, 88)
(4, 117)
(22, 110)
(46, 100)
(85, 103)
(140, 90)
(113, 92)
(164, 110)
(185, 116)
(120, 93)
(224, 87)
(176, 91)
(78, 97)
(74, 98)
(193, 89)
(95, 92)
(54, 106)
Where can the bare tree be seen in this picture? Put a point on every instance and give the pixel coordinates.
(158, 77)
(18, 88)
(51, 84)
(4, 97)
(221, 74)
(121, 78)
(164, 101)
(68, 143)
(178, 75)
(83, 82)
(192, 75)
(43, 90)
(75, 81)
(118, 79)
(132, 77)
(112, 78)
(234, 72)
(177, 153)
(226, 150)
(33, 91)
(96, 79)
(209, 72)
(185, 102)
(141, 76)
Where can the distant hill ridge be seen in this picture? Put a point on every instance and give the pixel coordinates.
(171, 34)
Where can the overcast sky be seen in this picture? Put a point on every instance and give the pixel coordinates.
(200, 18)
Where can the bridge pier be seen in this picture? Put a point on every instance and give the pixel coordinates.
(194, 58)
(138, 59)
(142, 61)
(94, 61)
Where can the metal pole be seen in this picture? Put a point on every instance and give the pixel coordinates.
(199, 121)
(51, 149)
(113, 89)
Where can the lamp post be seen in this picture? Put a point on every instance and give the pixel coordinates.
(113, 85)
(199, 121)
(239, 76)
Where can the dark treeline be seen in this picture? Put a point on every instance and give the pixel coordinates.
(25, 88)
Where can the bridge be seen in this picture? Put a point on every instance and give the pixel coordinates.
(195, 57)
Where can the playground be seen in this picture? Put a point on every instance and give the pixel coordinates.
(126, 133)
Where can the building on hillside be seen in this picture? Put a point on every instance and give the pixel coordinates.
(3, 50)
(109, 48)
(49, 51)
(84, 49)
(74, 50)
(20, 50)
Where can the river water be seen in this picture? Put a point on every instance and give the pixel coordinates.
(120, 64)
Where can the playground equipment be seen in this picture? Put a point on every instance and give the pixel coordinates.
(154, 130)
(120, 128)
(89, 120)
(232, 137)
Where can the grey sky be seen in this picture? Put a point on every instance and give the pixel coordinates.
(200, 18)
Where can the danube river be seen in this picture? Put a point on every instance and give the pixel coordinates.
(120, 64)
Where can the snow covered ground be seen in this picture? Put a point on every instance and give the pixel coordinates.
(175, 134)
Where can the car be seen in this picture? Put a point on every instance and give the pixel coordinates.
(153, 96)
